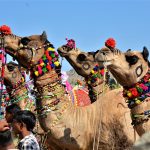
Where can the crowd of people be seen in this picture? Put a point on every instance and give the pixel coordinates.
(19, 123)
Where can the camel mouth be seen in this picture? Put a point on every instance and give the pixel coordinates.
(105, 62)
(61, 52)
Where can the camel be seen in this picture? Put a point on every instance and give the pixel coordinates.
(67, 126)
(96, 77)
(131, 69)
(14, 80)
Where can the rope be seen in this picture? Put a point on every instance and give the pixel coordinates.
(62, 61)
(103, 88)
(3, 56)
(100, 125)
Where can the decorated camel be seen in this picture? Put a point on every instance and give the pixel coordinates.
(14, 80)
(78, 60)
(84, 64)
(67, 126)
(131, 69)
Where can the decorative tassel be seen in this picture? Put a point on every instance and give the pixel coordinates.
(44, 70)
(44, 57)
(52, 65)
(52, 55)
(41, 62)
(51, 49)
(48, 67)
(57, 63)
(40, 70)
(47, 55)
(46, 61)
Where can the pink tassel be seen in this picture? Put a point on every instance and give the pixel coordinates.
(68, 86)
(40, 70)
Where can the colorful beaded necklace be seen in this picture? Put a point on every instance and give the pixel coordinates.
(96, 73)
(92, 81)
(48, 62)
(136, 94)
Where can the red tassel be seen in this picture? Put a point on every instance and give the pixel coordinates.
(48, 67)
(47, 55)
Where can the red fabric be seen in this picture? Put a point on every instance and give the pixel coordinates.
(82, 98)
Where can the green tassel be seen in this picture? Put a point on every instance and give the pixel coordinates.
(139, 89)
(52, 55)
(44, 70)
(44, 57)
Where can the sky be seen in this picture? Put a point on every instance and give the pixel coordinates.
(88, 22)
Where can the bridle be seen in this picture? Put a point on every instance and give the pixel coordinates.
(33, 50)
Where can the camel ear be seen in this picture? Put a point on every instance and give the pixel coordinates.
(129, 50)
(44, 37)
(145, 53)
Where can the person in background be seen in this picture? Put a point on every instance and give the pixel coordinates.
(5, 136)
(11, 111)
(23, 124)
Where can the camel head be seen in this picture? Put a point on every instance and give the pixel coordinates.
(128, 68)
(26, 50)
(81, 61)
(13, 75)
(9, 40)
(31, 49)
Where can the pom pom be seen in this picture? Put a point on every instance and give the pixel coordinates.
(5, 30)
(48, 67)
(57, 63)
(92, 71)
(52, 65)
(52, 55)
(7, 98)
(71, 43)
(110, 43)
(51, 49)
(44, 57)
(40, 70)
(47, 55)
(46, 61)
(44, 70)
(36, 73)
(41, 62)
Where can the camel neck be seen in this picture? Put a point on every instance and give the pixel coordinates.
(50, 92)
(95, 91)
(20, 96)
(96, 82)
(137, 96)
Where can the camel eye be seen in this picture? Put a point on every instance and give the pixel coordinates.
(81, 57)
(25, 41)
(132, 59)
(10, 68)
